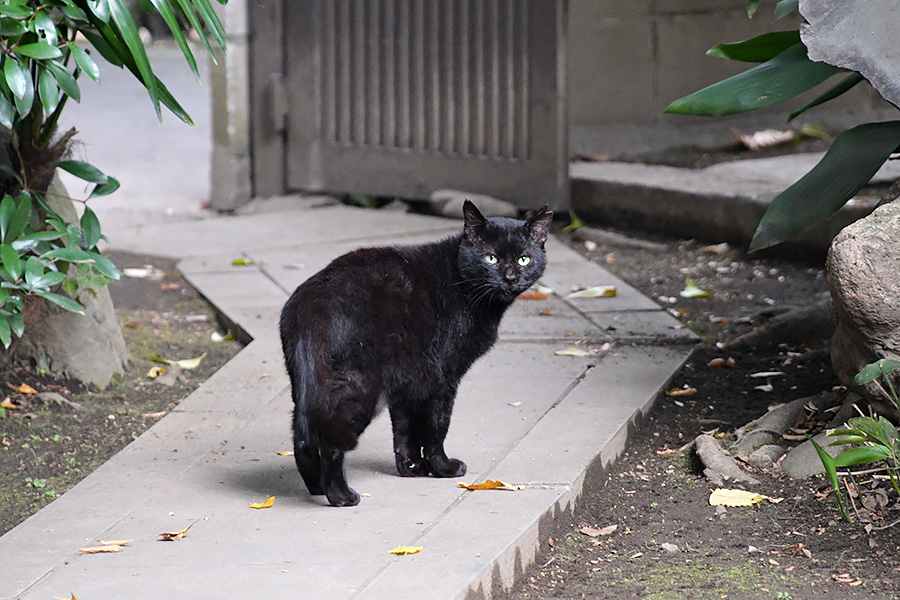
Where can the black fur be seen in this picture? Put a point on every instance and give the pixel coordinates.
(401, 325)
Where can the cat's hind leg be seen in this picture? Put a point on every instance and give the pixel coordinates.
(334, 479)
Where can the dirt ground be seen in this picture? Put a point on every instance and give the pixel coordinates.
(56, 437)
(668, 542)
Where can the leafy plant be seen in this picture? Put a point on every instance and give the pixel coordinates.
(42, 257)
(785, 71)
(877, 438)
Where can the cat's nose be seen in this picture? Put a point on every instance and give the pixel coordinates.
(509, 274)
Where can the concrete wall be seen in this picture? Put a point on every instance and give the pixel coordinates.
(629, 59)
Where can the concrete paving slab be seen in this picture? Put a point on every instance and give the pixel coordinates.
(646, 326)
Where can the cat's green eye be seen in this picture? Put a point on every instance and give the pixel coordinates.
(490, 259)
(524, 260)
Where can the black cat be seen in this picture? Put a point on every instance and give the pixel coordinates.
(399, 325)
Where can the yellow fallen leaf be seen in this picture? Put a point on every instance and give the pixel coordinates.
(491, 484)
(531, 295)
(691, 290)
(155, 372)
(23, 389)
(285, 453)
(676, 392)
(269, 502)
(598, 291)
(8, 404)
(101, 549)
(176, 535)
(404, 550)
(726, 497)
(116, 542)
(186, 363)
(571, 352)
(71, 597)
(242, 262)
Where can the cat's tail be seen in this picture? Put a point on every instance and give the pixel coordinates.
(304, 390)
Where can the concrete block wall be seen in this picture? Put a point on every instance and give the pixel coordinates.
(629, 60)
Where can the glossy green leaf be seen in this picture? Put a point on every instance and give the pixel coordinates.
(72, 255)
(105, 50)
(7, 111)
(861, 455)
(5, 334)
(831, 472)
(165, 10)
(7, 210)
(19, 220)
(785, 7)
(83, 170)
(11, 27)
(48, 280)
(63, 301)
(100, 9)
(785, 76)
(67, 83)
(759, 49)
(831, 93)
(16, 11)
(90, 226)
(74, 13)
(212, 22)
(85, 62)
(39, 50)
(752, 7)
(34, 268)
(128, 31)
(14, 75)
(49, 91)
(45, 28)
(104, 189)
(875, 370)
(11, 261)
(105, 267)
(849, 164)
(17, 324)
(187, 10)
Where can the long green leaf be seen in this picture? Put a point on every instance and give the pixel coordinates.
(25, 103)
(11, 261)
(187, 10)
(90, 226)
(18, 221)
(15, 11)
(5, 335)
(49, 90)
(212, 22)
(39, 51)
(874, 370)
(67, 83)
(15, 76)
(861, 455)
(831, 93)
(7, 111)
(45, 28)
(165, 10)
(129, 35)
(831, 472)
(85, 62)
(7, 210)
(785, 7)
(63, 301)
(849, 164)
(83, 170)
(785, 76)
(759, 49)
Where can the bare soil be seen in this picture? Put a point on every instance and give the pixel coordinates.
(669, 543)
(55, 438)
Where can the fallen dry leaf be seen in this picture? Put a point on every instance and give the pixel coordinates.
(404, 550)
(531, 295)
(242, 262)
(116, 542)
(727, 497)
(598, 291)
(767, 138)
(101, 549)
(722, 362)
(155, 372)
(685, 391)
(591, 532)
(155, 415)
(176, 535)
(185, 363)
(691, 290)
(636, 555)
(491, 484)
(23, 388)
(571, 352)
(269, 502)
(514, 404)
(285, 453)
(8, 404)
(71, 597)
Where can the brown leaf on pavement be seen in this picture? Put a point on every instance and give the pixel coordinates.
(23, 388)
(176, 535)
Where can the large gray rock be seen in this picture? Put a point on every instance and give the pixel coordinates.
(803, 461)
(863, 272)
(856, 35)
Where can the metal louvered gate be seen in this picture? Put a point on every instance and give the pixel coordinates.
(402, 97)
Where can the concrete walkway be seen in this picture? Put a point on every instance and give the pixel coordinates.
(524, 415)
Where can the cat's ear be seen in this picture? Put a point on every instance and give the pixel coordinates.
(474, 221)
(539, 225)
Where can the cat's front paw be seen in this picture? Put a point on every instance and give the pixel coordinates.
(412, 468)
(448, 467)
